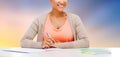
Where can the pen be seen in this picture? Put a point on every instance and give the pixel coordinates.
(48, 34)
(49, 37)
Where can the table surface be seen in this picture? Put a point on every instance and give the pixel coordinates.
(115, 52)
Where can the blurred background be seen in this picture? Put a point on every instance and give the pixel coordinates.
(100, 17)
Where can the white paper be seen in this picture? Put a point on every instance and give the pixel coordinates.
(53, 49)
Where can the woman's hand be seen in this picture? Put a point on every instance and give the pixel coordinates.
(49, 43)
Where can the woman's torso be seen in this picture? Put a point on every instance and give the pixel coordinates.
(63, 34)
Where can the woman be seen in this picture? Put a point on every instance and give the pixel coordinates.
(56, 29)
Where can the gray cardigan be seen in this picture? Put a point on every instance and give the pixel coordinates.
(36, 28)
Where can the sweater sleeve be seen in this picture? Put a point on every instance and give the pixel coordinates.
(81, 37)
(27, 40)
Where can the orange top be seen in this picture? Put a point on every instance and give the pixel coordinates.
(63, 34)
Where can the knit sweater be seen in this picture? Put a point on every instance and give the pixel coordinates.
(37, 26)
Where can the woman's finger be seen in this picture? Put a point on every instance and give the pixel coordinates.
(52, 40)
(48, 43)
(45, 46)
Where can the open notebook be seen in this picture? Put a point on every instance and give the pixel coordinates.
(29, 50)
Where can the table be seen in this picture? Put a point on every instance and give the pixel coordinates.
(115, 52)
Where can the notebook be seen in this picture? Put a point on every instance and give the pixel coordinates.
(94, 51)
(29, 50)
